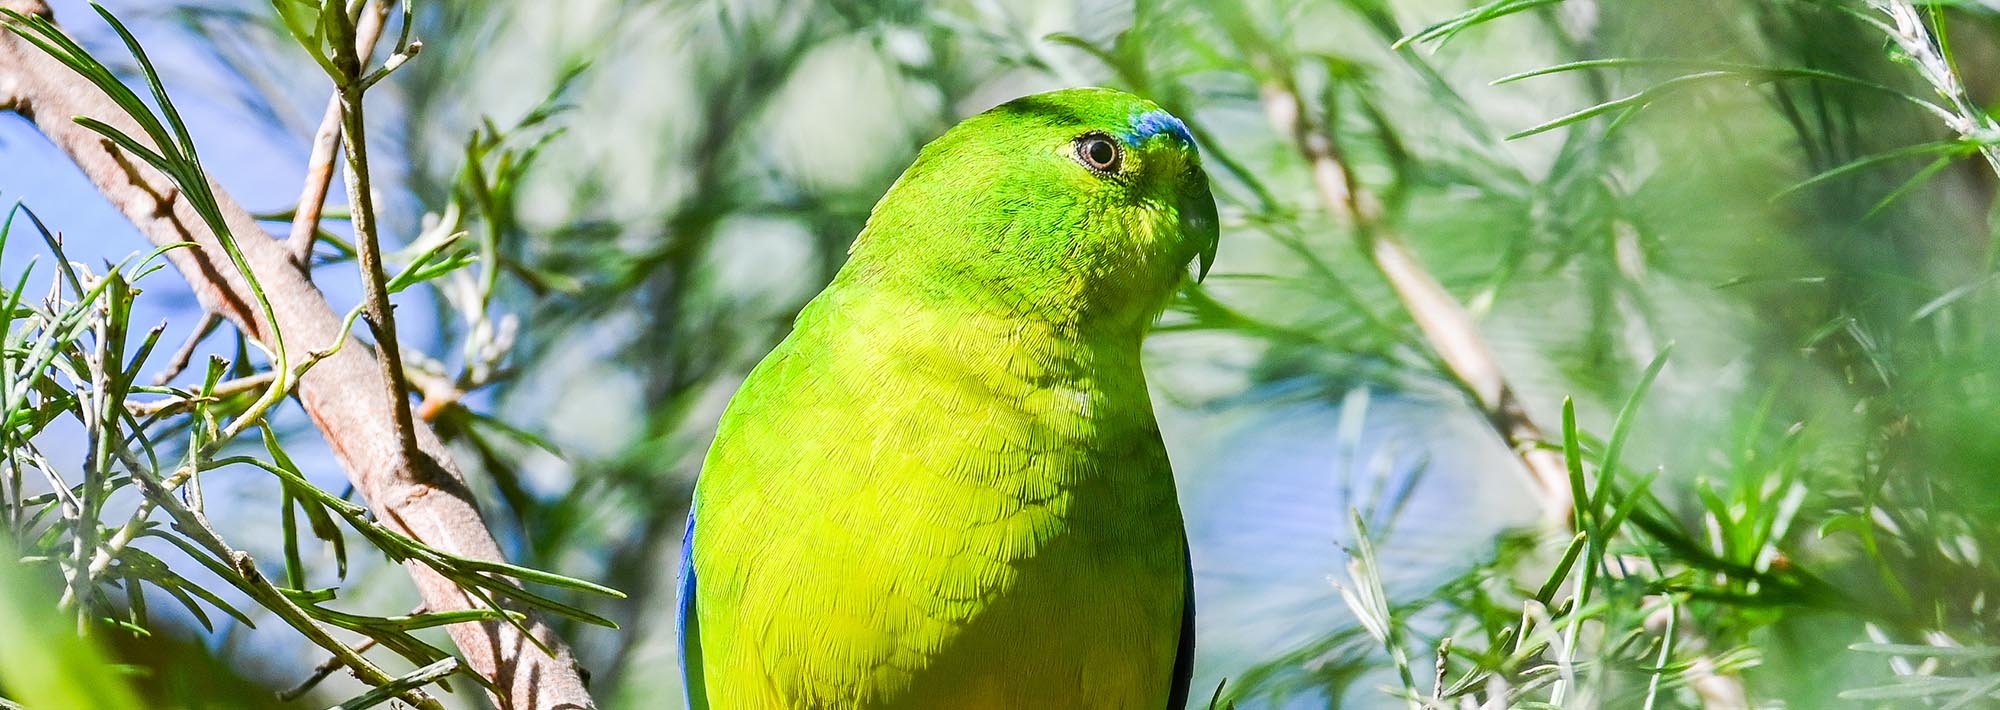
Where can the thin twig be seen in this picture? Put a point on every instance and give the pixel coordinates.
(414, 679)
(331, 664)
(103, 434)
(202, 329)
(1920, 42)
(319, 178)
(326, 143)
(223, 390)
(376, 308)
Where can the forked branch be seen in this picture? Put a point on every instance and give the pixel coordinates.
(416, 490)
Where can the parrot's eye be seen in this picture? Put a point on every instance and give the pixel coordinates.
(1099, 153)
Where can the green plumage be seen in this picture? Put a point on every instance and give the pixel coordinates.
(946, 488)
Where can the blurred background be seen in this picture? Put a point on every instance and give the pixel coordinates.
(1793, 201)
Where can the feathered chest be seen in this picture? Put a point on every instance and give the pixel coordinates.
(1013, 405)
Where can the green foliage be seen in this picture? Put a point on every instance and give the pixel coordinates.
(45, 664)
(1799, 196)
(1686, 584)
(73, 355)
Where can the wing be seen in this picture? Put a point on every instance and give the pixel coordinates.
(1184, 657)
(687, 623)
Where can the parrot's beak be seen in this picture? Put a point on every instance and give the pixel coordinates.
(1198, 218)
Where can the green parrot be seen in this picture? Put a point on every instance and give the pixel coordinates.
(946, 487)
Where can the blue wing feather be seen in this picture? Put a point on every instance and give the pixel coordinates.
(688, 625)
(1184, 658)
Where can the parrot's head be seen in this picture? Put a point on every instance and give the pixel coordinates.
(1083, 205)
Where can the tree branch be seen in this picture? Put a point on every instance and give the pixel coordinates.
(347, 395)
(1445, 323)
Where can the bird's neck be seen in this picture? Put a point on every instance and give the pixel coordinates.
(1016, 358)
(1084, 298)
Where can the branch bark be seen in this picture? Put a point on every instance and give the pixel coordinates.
(347, 395)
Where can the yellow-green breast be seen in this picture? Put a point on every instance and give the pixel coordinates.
(915, 507)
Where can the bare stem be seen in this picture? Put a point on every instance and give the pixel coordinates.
(328, 666)
(319, 167)
(376, 310)
(179, 363)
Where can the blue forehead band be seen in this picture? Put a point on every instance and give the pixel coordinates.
(1157, 122)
